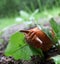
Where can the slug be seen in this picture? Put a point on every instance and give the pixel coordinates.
(37, 38)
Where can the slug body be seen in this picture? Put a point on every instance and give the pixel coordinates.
(38, 39)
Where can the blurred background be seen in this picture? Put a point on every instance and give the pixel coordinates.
(18, 11)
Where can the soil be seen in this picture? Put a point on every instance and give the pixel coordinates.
(34, 59)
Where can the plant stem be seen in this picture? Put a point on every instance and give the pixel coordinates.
(39, 4)
(32, 6)
(27, 8)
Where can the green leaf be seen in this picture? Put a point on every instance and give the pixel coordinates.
(55, 27)
(56, 59)
(19, 49)
(24, 15)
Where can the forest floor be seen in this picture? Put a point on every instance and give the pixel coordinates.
(13, 26)
(6, 35)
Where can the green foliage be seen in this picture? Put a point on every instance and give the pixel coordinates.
(19, 49)
(56, 59)
(10, 7)
(28, 17)
(55, 27)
